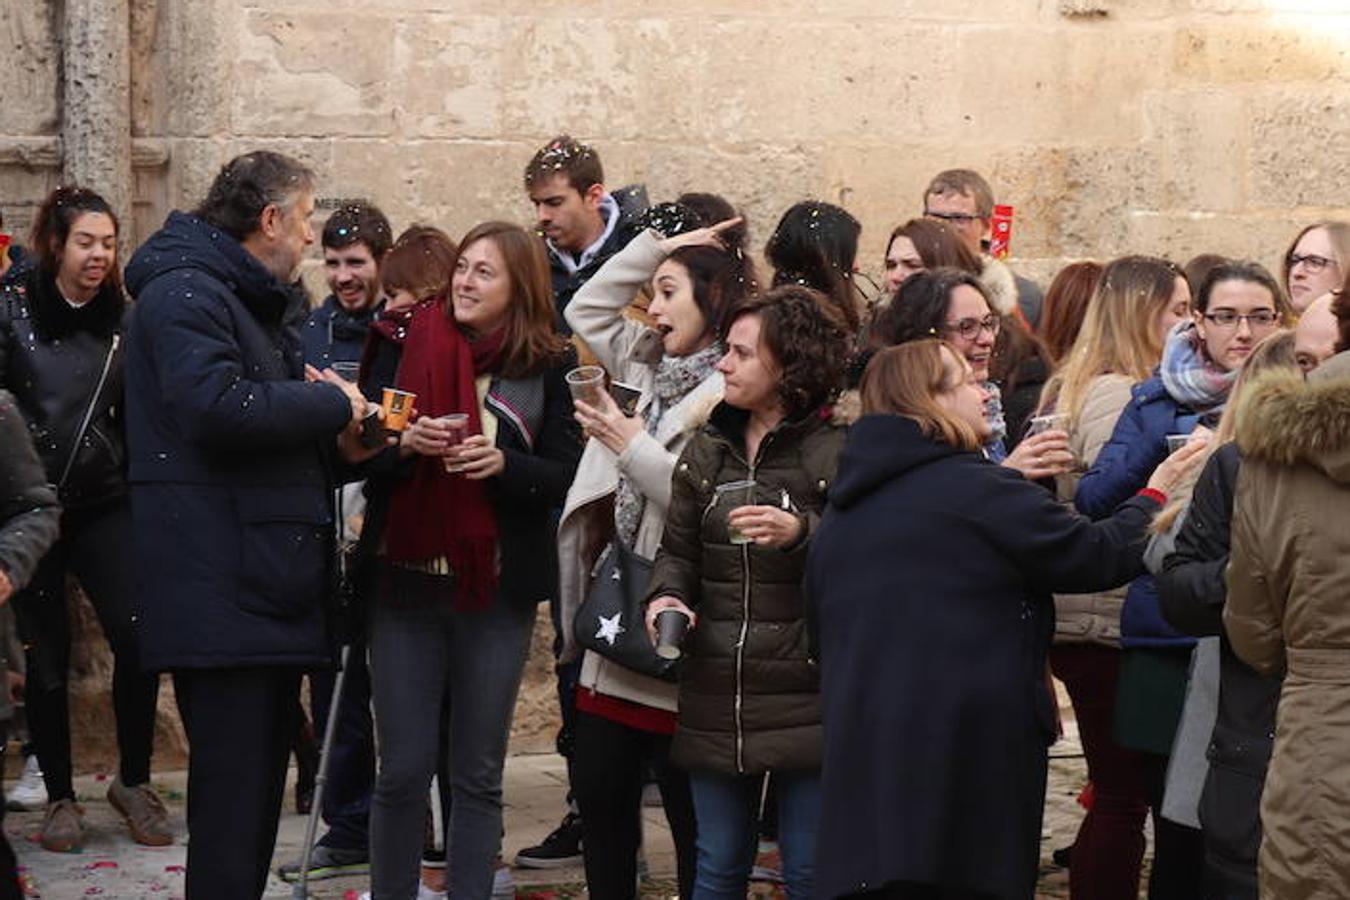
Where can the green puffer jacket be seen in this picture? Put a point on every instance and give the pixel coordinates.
(749, 691)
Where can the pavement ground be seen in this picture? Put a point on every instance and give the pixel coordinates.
(112, 867)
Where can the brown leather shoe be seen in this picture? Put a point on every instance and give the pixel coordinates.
(62, 831)
(144, 811)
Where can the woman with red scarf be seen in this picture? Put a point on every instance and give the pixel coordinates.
(462, 557)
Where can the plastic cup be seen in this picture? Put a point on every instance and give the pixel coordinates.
(1176, 441)
(733, 496)
(459, 430)
(347, 371)
(1052, 422)
(671, 627)
(586, 383)
(398, 406)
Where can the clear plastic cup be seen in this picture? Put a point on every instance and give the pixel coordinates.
(1051, 422)
(459, 431)
(586, 383)
(732, 496)
(347, 371)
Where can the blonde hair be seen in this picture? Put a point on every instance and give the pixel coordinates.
(1275, 351)
(905, 380)
(1119, 334)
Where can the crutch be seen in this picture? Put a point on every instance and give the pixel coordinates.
(301, 889)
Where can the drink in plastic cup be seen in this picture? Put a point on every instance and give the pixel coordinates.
(734, 495)
(671, 627)
(586, 383)
(398, 406)
(1176, 441)
(459, 430)
(1052, 422)
(347, 371)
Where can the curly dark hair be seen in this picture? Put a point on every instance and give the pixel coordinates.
(809, 340)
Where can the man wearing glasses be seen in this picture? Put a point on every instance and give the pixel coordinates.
(963, 200)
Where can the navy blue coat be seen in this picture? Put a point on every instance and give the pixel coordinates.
(332, 333)
(1138, 444)
(929, 586)
(230, 455)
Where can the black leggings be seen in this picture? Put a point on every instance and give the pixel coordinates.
(95, 547)
(610, 762)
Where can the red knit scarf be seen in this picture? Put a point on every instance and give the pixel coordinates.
(434, 513)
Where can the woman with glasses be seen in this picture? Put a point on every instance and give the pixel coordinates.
(931, 560)
(1137, 302)
(952, 305)
(1316, 262)
(1239, 303)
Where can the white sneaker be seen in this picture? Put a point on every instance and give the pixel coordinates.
(29, 792)
(503, 883)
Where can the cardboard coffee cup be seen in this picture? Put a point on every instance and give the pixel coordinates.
(398, 406)
(671, 627)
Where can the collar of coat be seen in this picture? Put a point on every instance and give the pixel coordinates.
(1284, 420)
(729, 423)
(53, 317)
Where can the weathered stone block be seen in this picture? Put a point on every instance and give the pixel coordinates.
(1181, 235)
(448, 76)
(1297, 141)
(307, 73)
(1023, 84)
(1203, 156)
(788, 82)
(1257, 52)
(624, 78)
(30, 66)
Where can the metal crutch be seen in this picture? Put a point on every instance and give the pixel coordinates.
(301, 889)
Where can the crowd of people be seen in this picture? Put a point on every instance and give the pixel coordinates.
(814, 549)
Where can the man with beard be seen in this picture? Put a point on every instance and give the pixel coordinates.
(356, 239)
(230, 446)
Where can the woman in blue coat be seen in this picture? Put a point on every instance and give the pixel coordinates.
(1237, 305)
(930, 587)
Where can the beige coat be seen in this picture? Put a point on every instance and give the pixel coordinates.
(1288, 611)
(1092, 618)
(587, 524)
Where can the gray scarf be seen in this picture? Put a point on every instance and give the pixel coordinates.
(676, 377)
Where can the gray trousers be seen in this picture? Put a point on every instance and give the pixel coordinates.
(427, 658)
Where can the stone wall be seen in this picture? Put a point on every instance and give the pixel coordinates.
(1161, 126)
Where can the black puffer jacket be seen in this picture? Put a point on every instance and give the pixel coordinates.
(63, 364)
(1192, 593)
(749, 691)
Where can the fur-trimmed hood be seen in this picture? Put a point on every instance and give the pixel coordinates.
(999, 283)
(1284, 420)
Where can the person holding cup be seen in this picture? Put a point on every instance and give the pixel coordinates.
(929, 583)
(462, 560)
(1136, 302)
(748, 689)
(1238, 304)
(625, 719)
(954, 305)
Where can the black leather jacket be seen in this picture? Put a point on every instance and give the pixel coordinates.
(64, 366)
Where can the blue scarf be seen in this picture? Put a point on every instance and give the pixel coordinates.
(1188, 375)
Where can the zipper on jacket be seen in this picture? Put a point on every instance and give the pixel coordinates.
(89, 412)
(745, 623)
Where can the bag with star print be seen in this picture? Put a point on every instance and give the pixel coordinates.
(612, 619)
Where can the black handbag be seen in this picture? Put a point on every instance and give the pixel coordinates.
(612, 619)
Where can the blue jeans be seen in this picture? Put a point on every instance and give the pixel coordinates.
(727, 810)
(428, 659)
